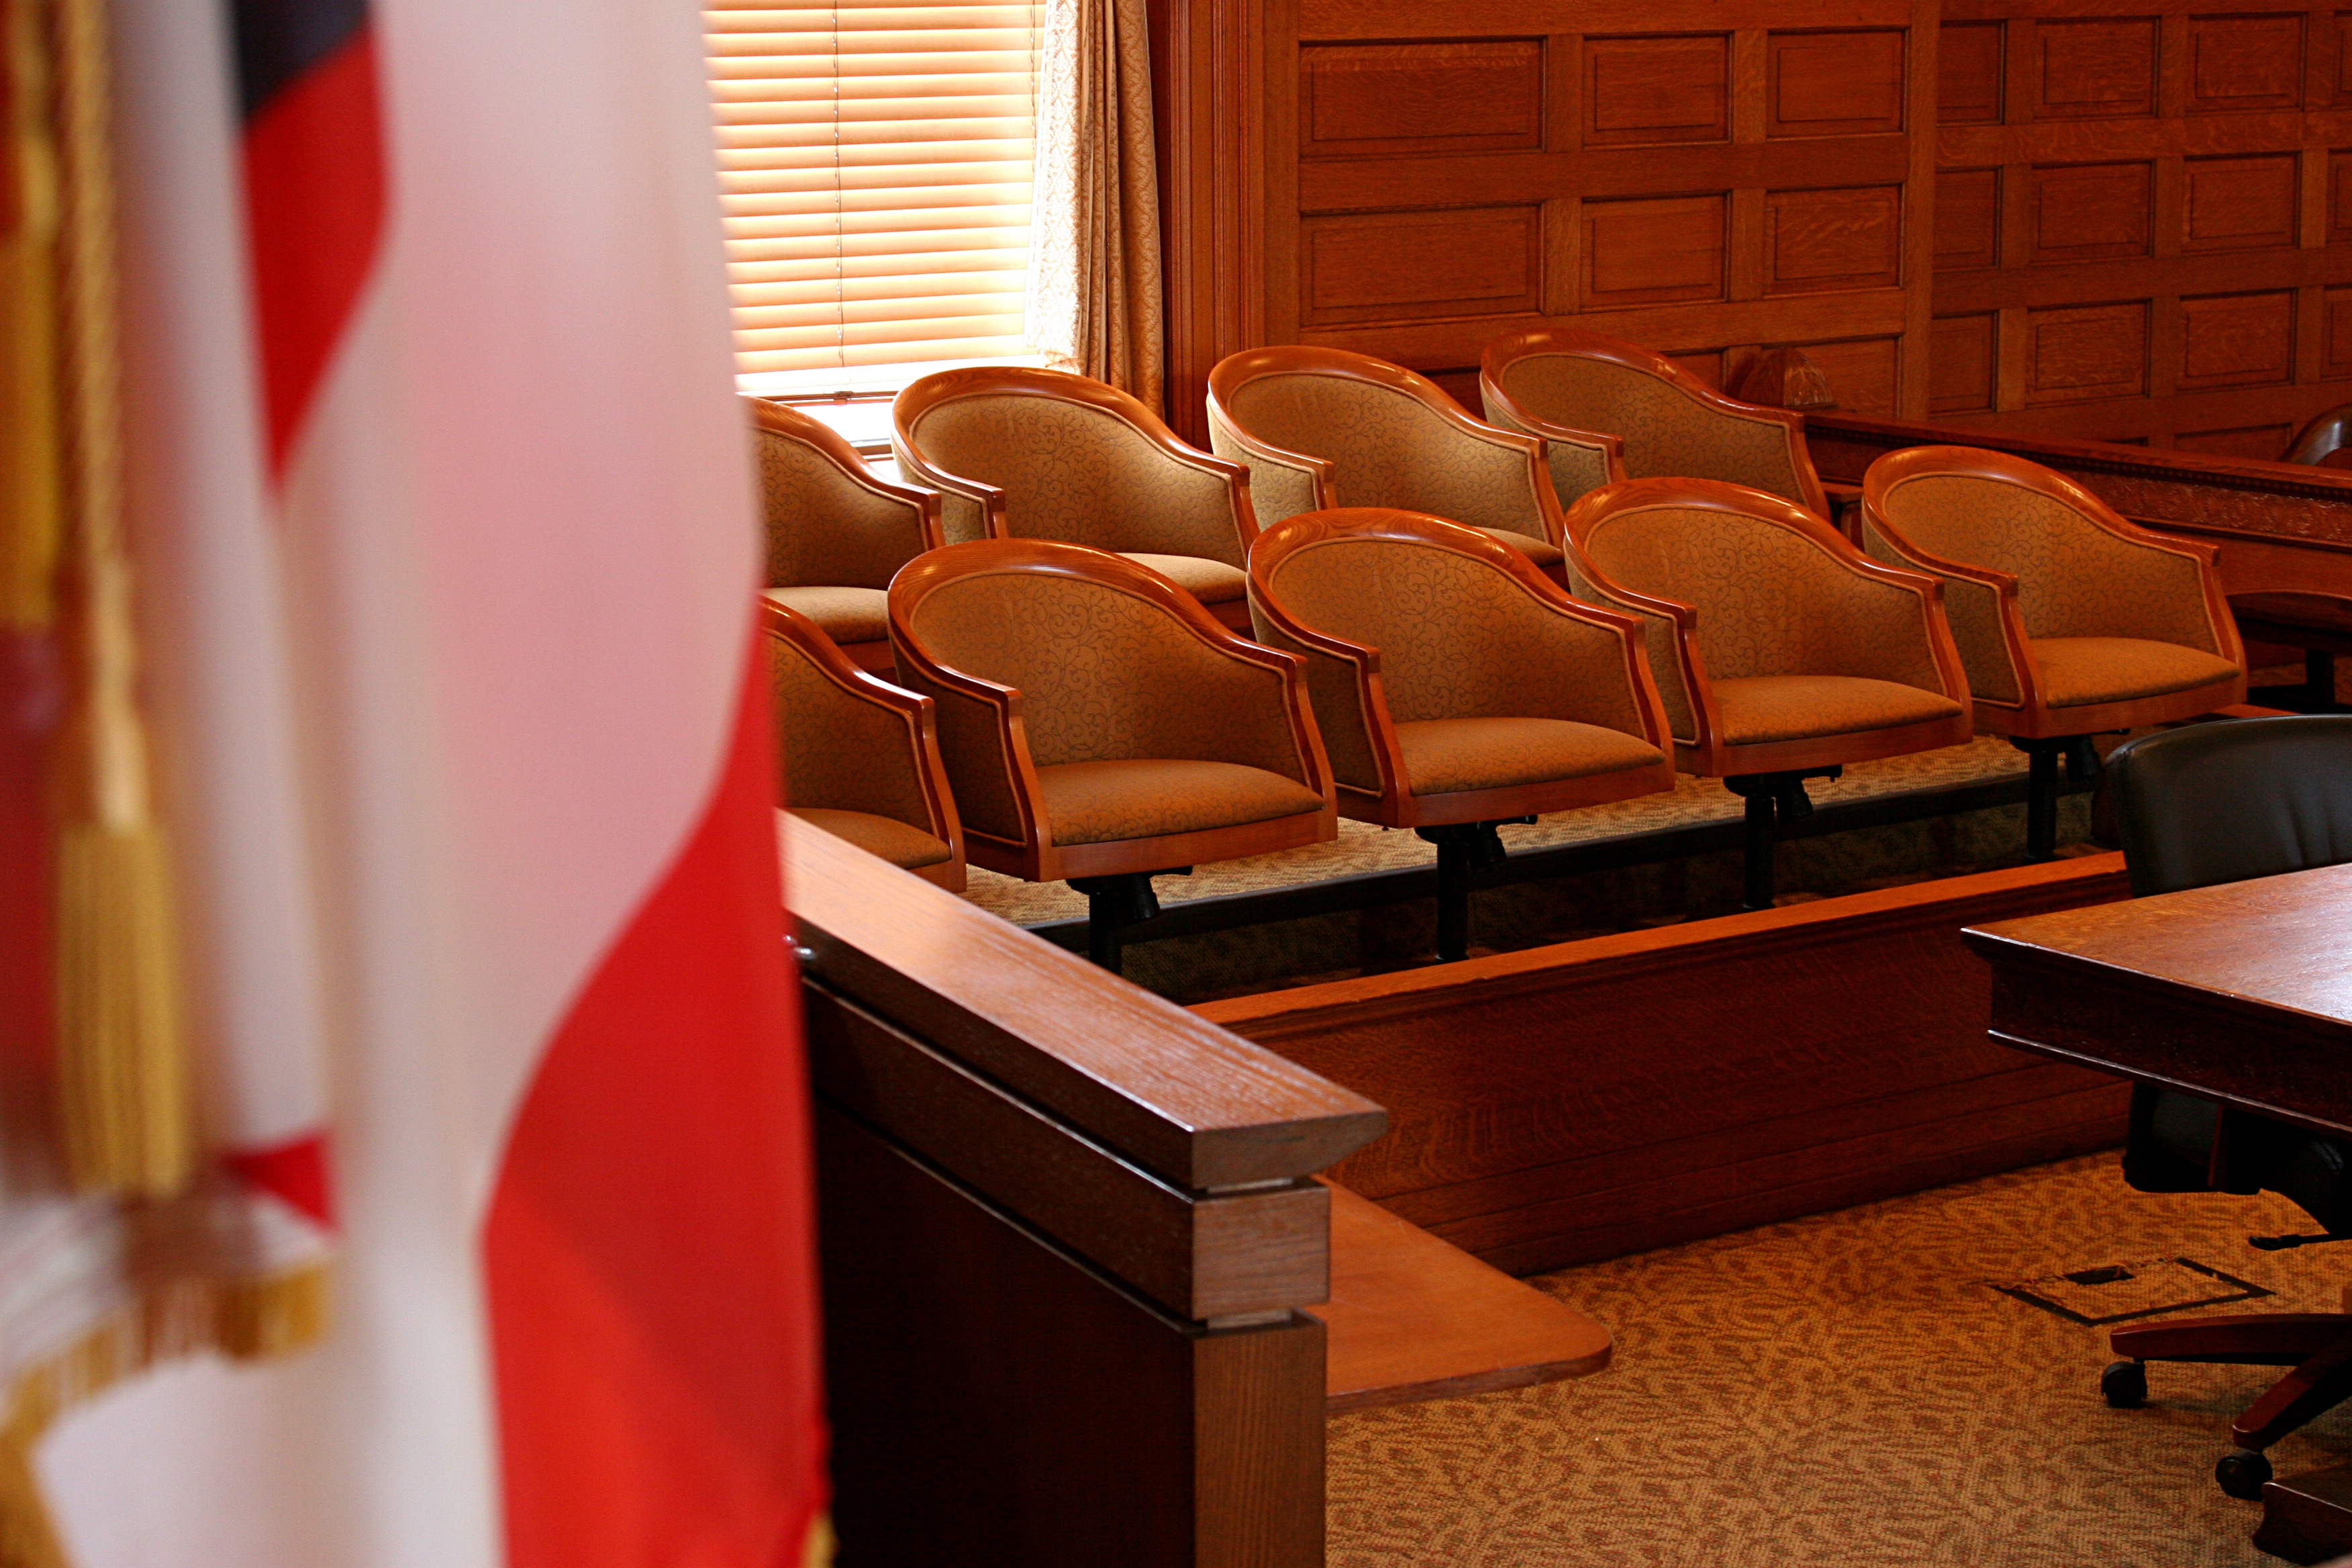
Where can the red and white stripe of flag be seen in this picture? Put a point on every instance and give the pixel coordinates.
(496, 493)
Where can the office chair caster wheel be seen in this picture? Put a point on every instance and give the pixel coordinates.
(2124, 1384)
(2242, 1472)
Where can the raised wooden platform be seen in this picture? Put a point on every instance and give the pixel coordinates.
(1579, 1101)
(1413, 1318)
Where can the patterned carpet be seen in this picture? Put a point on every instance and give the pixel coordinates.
(1849, 1391)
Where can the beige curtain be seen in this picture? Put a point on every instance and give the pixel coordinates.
(1093, 303)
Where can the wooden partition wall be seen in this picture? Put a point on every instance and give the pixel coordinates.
(2111, 219)
(1066, 1232)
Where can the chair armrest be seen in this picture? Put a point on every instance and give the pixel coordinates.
(983, 746)
(1980, 607)
(1238, 527)
(1286, 483)
(1298, 754)
(1896, 628)
(968, 509)
(1579, 461)
(2220, 628)
(1344, 688)
(1667, 638)
(1626, 699)
(1542, 490)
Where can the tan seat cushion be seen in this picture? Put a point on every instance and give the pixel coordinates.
(1442, 756)
(1759, 708)
(845, 615)
(1097, 803)
(884, 837)
(1542, 551)
(2073, 671)
(1211, 582)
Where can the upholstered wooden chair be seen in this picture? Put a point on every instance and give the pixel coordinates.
(1780, 651)
(1100, 726)
(1566, 386)
(1454, 685)
(836, 533)
(1042, 454)
(1322, 428)
(2071, 621)
(860, 757)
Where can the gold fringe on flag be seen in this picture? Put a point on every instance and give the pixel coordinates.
(243, 1318)
(119, 1034)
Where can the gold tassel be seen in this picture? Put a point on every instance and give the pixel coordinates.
(31, 485)
(120, 1039)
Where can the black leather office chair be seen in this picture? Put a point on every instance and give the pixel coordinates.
(2224, 802)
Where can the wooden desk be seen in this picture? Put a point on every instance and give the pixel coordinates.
(2239, 993)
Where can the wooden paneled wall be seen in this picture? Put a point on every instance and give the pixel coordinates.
(2135, 206)
(2120, 219)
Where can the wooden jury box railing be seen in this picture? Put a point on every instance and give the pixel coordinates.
(1067, 1231)
(2282, 527)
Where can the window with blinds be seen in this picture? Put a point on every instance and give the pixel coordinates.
(874, 161)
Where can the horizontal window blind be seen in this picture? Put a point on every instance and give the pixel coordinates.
(874, 161)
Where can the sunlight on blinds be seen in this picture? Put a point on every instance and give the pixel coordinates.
(874, 161)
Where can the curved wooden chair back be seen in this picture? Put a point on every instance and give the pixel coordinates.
(1023, 453)
(1042, 654)
(1564, 384)
(1322, 428)
(832, 521)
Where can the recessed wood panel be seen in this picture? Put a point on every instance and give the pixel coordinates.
(2244, 63)
(1968, 74)
(1861, 373)
(1653, 250)
(1707, 366)
(1420, 98)
(2095, 69)
(2237, 204)
(2265, 443)
(2344, 56)
(1363, 267)
(1819, 240)
(1651, 90)
(2339, 197)
(2237, 340)
(2089, 211)
(2336, 348)
(1960, 364)
(1833, 84)
(1967, 220)
(2078, 353)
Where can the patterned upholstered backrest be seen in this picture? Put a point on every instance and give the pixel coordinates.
(1668, 434)
(1104, 675)
(839, 754)
(1769, 601)
(1081, 475)
(2074, 578)
(825, 530)
(1387, 447)
(1457, 637)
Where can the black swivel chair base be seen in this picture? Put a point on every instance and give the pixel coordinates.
(1463, 850)
(2042, 785)
(1772, 799)
(1113, 905)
